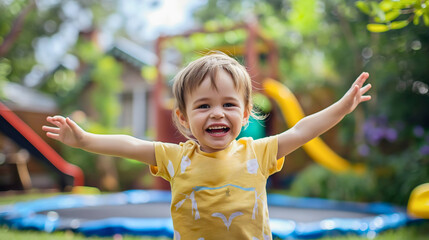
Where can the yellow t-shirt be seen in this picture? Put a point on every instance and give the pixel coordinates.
(219, 195)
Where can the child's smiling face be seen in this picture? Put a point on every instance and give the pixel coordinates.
(215, 115)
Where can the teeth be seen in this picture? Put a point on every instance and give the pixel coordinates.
(216, 127)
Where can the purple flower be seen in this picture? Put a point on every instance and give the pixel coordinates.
(390, 134)
(424, 150)
(374, 136)
(368, 126)
(418, 131)
(363, 150)
(377, 129)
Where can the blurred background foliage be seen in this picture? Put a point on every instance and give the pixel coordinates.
(389, 15)
(321, 43)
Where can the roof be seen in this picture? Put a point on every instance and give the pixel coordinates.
(133, 53)
(138, 56)
(19, 97)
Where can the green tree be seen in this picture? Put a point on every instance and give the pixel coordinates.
(23, 22)
(390, 15)
(19, 25)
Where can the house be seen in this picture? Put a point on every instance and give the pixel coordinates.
(31, 107)
(135, 99)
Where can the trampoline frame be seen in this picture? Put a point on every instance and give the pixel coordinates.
(26, 215)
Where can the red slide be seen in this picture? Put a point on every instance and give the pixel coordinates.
(16, 129)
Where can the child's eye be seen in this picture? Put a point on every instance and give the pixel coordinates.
(204, 106)
(229, 105)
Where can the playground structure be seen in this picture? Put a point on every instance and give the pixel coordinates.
(418, 204)
(255, 45)
(292, 112)
(17, 130)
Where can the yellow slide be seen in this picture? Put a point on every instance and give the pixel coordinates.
(418, 204)
(292, 112)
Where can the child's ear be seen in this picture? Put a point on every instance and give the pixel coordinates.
(182, 118)
(246, 116)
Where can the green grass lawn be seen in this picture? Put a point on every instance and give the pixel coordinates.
(416, 232)
(5, 200)
(10, 234)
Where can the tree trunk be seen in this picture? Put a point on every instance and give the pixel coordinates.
(16, 29)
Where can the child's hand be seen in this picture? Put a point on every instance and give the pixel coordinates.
(355, 94)
(66, 131)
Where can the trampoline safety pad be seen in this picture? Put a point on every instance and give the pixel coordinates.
(147, 212)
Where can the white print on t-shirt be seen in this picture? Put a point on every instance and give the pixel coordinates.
(252, 166)
(229, 221)
(194, 204)
(185, 163)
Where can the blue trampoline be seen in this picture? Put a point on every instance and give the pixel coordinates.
(147, 212)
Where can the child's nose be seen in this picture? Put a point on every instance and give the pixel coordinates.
(217, 112)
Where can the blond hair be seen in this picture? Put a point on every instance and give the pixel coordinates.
(188, 79)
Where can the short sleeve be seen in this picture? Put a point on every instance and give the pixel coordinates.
(167, 157)
(266, 151)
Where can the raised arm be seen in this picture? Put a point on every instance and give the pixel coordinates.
(69, 133)
(314, 125)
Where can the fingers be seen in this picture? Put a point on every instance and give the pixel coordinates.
(365, 89)
(358, 87)
(74, 127)
(361, 79)
(53, 136)
(52, 132)
(359, 93)
(56, 120)
(359, 83)
(51, 129)
(365, 98)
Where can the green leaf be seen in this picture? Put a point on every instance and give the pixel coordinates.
(419, 12)
(417, 15)
(416, 20)
(378, 13)
(386, 5)
(404, 3)
(373, 27)
(426, 19)
(392, 15)
(399, 24)
(363, 6)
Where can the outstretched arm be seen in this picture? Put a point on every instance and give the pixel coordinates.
(314, 125)
(69, 133)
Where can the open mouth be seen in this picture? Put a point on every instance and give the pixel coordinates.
(217, 129)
